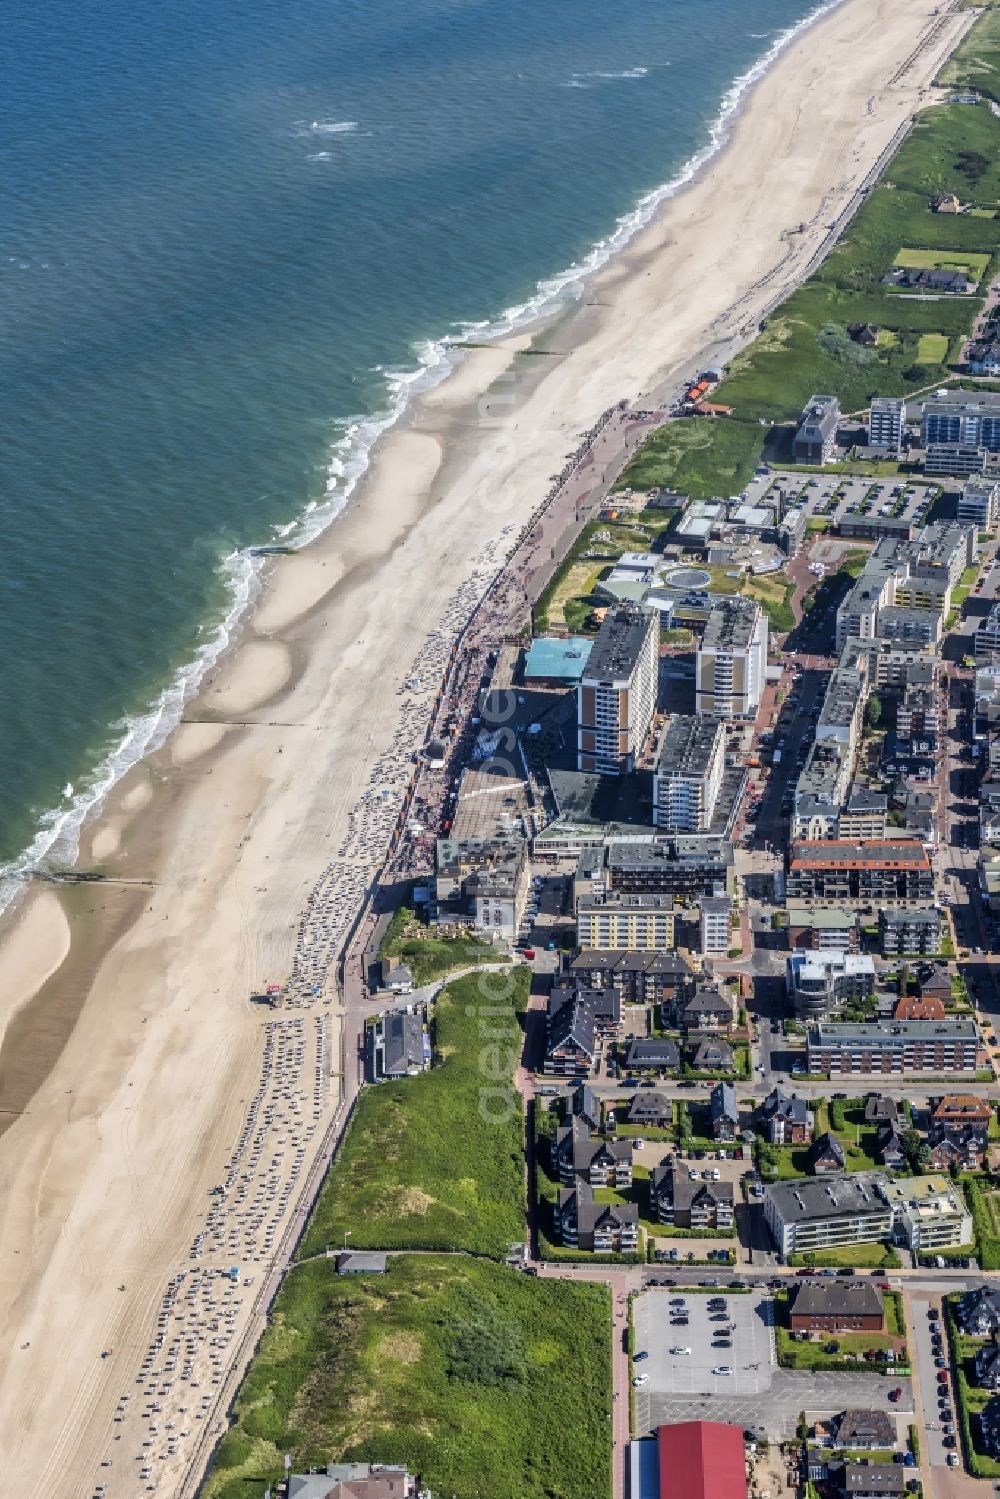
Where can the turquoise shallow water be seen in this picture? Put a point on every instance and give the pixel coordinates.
(228, 234)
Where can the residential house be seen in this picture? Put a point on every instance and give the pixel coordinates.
(651, 1110)
(586, 1106)
(684, 1202)
(989, 1426)
(879, 1107)
(596, 1227)
(864, 1431)
(708, 1010)
(978, 1312)
(947, 203)
(355, 1481)
(865, 334)
(869, 1480)
(396, 1046)
(652, 1054)
(827, 1154)
(986, 1366)
(713, 1055)
(637, 977)
(604, 1002)
(787, 1119)
(722, 1110)
(912, 1008)
(889, 1146)
(578, 1153)
(837, 1306)
(934, 982)
(571, 1046)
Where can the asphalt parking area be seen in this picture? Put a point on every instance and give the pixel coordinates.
(757, 1395)
(748, 1328)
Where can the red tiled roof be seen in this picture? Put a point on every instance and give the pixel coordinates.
(701, 1460)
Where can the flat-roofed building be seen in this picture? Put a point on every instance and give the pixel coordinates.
(886, 419)
(886, 1047)
(616, 697)
(625, 923)
(842, 871)
(731, 663)
(689, 770)
(818, 981)
(960, 432)
(484, 882)
(816, 436)
(863, 816)
(688, 864)
(986, 641)
(815, 1213)
(905, 931)
(716, 916)
(979, 504)
(815, 928)
(928, 1212)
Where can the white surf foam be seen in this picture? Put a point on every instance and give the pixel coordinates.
(57, 839)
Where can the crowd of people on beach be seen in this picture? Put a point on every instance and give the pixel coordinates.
(391, 834)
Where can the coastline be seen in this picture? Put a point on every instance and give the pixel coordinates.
(244, 573)
(332, 640)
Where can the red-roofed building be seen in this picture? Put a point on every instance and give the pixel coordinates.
(701, 1460)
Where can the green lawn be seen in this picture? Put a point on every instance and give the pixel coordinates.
(436, 1161)
(697, 456)
(793, 1354)
(428, 954)
(985, 1206)
(932, 348)
(944, 260)
(444, 1364)
(976, 61)
(805, 346)
(870, 1256)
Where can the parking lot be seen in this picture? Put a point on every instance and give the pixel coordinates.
(757, 1395)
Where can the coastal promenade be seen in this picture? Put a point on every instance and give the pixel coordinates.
(262, 831)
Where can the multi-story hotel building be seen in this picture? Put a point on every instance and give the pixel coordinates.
(689, 768)
(616, 697)
(731, 666)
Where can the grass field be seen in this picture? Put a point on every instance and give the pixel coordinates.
(976, 61)
(873, 1256)
(444, 1364)
(697, 456)
(985, 1207)
(436, 1161)
(428, 954)
(773, 592)
(944, 260)
(932, 348)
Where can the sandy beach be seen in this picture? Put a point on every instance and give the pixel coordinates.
(132, 1052)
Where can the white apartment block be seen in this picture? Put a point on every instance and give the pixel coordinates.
(731, 664)
(689, 771)
(616, 697)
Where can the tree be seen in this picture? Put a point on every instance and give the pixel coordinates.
(873, 712)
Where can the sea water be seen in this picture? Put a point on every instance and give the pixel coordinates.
(233, 238)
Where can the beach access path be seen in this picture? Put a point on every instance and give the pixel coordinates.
(153, 1046)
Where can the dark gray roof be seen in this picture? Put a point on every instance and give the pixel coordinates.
(709, 1002)
(403, 1043)
(676, 1184)
(573, 1023)
(713, 1052)
(838, 1298)
(787, 1106)
(722, 1102)
(860, 1428)
(648, 1106)
(828, 1147)
(587, 1106)
(874, 1478)
(653, 1052)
